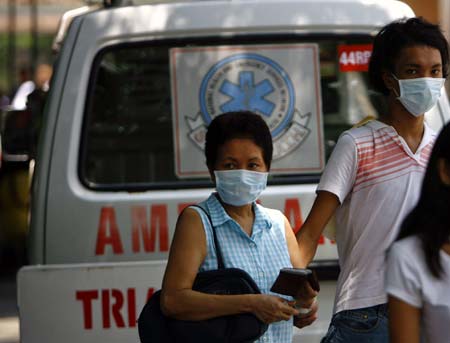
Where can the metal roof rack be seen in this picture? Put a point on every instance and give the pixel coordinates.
(67, 18)
(118, 3)
(92, 5)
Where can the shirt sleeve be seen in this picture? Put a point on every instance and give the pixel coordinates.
(340, 172)
(403, 277)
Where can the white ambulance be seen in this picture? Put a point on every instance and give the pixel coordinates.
(134, 89)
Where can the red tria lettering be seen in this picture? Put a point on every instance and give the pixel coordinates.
(105, 309)
(86, 298)
(131, 298)
(115, 309)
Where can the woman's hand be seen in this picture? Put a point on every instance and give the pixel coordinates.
(270, 308)
(305, 296)
(303, 320)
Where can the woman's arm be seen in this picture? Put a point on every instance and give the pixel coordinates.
(178, 300)
(308, 236)
(404, 321)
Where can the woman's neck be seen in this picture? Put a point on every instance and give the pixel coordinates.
(243, 215)
(234, 212)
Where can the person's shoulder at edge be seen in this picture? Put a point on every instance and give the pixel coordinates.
(358, 131)
(192, 211)
(406, 248)
(365, 127)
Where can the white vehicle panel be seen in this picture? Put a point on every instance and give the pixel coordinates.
(98, 302)
(81, 303)
(245, 16)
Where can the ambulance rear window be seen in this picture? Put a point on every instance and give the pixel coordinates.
(149, 105)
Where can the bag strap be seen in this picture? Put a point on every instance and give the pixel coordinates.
(220, 264)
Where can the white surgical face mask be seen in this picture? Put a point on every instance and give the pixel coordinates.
(419, 95)
(240, 187)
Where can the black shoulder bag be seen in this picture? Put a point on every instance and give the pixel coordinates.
(155, 327)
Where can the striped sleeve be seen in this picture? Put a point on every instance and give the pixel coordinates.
(340, 172)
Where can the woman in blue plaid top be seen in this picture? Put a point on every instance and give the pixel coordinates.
(258, 240)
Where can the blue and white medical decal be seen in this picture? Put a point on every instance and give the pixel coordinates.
(279, 82)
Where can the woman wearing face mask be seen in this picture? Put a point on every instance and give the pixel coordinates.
(418, 267)
(260, 241)
(372, 179)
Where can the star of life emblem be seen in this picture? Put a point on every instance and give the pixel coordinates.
(249, 81)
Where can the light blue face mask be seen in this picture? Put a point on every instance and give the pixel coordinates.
(240, 187)
(419, 95)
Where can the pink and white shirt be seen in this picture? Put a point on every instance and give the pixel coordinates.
(377, 179)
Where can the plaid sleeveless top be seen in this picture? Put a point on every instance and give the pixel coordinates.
(261, 255)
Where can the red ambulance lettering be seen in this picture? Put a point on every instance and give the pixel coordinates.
(183, 205)
(108, 232)
(131, 299)
(150, 293)
(140, 225)
(159, 219)
(158, 223)
(115, 304)
(86, 298)
(321, 240)
(293, 213)
(115, 310)
(105, 309)
(354, 57)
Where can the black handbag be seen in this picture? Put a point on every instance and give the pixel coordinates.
(154, 327)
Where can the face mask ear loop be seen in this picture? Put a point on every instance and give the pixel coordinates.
(393, 88)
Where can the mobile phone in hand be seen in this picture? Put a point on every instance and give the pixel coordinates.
(290, 280)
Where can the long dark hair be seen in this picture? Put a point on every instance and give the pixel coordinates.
(430, 219)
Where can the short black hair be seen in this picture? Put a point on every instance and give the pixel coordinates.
(396, 36)
(240, 124)
(430, 219)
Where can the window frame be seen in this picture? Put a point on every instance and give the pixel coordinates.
(237, 39)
